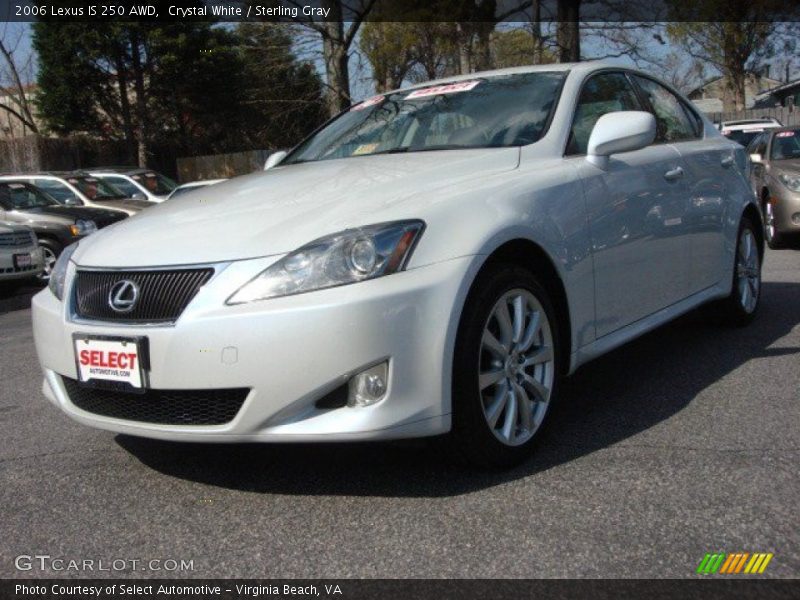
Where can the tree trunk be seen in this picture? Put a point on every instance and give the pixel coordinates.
(335, 56)
(568, 31)
(125, 109)
(536, 31)
(464, 42)
(142, 117)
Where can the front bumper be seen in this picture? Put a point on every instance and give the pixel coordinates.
(786, 210)
(289, 352)
(7, 270)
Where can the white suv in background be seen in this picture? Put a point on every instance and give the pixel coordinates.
(744, 131)
(20, 255)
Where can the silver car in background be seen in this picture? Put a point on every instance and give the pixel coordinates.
(775, 176)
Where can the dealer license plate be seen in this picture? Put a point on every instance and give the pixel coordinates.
(22, 261)
(110, 360)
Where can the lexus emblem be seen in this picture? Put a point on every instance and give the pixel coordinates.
(123, 296)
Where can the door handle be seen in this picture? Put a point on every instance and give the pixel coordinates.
(727, 161)
(674, 174)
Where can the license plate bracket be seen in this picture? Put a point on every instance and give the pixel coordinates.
(119, 363)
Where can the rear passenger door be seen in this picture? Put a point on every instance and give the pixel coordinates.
(708, 162)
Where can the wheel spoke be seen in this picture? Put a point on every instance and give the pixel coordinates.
(490, 378)
(524, 407)
(540, 355)
(519, 318)
(497, 406)
(504, 321)
(511, 416)
(531, 331)
(540, 392)
(493, 345)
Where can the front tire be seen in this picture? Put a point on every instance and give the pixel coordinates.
(772, 237)
(505, 369)
(51, 250)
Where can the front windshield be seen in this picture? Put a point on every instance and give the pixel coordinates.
(155, 183)
(485, 112)
(96, 189)
(21, 196)
(786, 145)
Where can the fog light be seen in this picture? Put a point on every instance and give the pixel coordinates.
(369, 386)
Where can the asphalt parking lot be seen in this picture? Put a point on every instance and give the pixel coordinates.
(683, 442)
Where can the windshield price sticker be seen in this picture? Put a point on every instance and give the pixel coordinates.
(367, 103)
(450, 88)
(785, 134)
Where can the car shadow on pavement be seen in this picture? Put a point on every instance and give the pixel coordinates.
(607, 401)
(17, 297)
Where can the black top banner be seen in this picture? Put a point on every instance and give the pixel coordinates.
(648, 11)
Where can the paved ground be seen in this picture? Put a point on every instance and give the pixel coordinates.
(685, 441)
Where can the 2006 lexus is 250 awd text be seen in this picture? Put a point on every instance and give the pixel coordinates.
(432, 261)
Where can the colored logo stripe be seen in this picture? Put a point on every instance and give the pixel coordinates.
(734, 563)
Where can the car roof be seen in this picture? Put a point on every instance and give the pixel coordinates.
(585, 66)
(120, 171)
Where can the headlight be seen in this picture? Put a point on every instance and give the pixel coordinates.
(83, 227)
(59, 272)
(790, 181)
(345, 257)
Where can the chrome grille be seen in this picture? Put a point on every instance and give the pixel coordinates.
(17, 239)
(163, 295)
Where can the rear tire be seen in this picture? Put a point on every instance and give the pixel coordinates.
(506, 368)
(740, 307)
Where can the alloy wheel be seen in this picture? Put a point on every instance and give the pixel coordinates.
(516, 367)
(769, 221)
(49, 262)
(748, 271)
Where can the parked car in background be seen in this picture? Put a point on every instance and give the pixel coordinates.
(56, 225)
(76, 188)
(194, 185)
(20, 256)
(744, 130)
(142, 184)
(775, 176)
(432, 261)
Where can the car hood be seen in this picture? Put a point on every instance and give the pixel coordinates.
(127, 204)
(73, 213)
(276, 211)
(788, 166)
(6, 227)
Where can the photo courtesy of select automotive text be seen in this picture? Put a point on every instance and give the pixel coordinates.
(419, 299)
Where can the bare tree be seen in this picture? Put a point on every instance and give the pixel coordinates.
(17, 101)
(337, 40)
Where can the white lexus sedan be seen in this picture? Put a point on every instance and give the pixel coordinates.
(431, 261)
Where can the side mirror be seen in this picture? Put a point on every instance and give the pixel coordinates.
(756, 159)
(139, 196)
(617, 132)
(274, 159)
(73, 201)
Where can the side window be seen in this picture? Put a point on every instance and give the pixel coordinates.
(602, 94)
(125, 186)
(672, 123)
(758, 145)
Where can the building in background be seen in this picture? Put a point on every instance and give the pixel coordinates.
(716, 95)
(11, 127)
